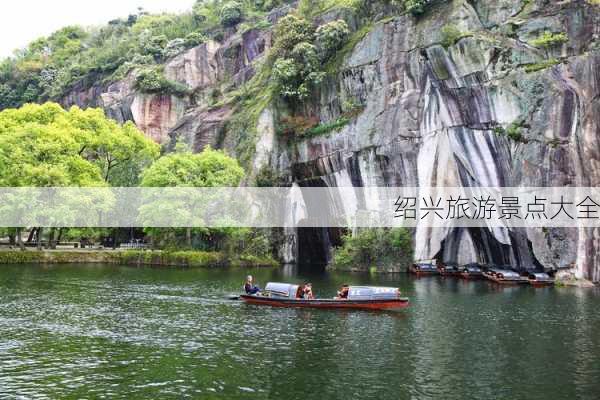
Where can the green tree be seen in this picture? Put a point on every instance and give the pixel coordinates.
(231, 14)
(210, 168)
(331, 37)
(46, 146)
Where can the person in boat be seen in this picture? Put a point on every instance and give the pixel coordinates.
(343, 292)
(308, 293)
(250, 287)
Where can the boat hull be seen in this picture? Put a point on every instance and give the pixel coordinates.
(391, 304)
(540, 283)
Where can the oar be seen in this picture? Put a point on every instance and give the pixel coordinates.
(233, 297)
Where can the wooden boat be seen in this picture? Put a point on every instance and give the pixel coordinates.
(504, 276)
(359, 298)
(471, 272)
(539, 279)
(421, 268)
(449, 270)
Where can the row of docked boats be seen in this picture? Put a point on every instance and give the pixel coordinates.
(504, 275)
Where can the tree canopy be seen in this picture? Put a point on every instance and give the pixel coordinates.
(45, 145)
(207, 169)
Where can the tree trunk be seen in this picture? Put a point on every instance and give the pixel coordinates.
(188, 237)
(40, 231)
(20, 239)
(11, 237)
(51, 243)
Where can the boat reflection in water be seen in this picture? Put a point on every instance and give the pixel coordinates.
(359, 297)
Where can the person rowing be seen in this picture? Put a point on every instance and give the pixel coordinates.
(250, 287)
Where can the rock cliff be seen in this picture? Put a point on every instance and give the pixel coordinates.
(480, 105)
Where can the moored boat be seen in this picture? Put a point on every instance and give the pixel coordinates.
(471, 271)
(359, 297)
(538, 279)
(427, 267)
(448, 270)
(504, 276)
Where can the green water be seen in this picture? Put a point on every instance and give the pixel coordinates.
(119, 332)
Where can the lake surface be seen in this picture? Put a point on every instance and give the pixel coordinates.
(93, 331)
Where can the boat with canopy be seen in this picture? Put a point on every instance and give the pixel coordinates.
(359, 297)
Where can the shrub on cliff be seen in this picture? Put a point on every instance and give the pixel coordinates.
(231, 14)
(415, 7)
(290, 31)
(330, 37)
(375, 247)
(297, 75)
(549, 39)
(152, 80)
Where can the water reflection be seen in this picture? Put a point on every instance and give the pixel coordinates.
(93, 331)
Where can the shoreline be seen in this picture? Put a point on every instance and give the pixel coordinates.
(180, 258)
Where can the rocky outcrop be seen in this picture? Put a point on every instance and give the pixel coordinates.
(197, 68)
(432, 117)
(428, 115)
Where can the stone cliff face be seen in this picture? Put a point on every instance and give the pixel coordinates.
(428, 114)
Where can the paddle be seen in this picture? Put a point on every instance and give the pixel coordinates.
(233, 297)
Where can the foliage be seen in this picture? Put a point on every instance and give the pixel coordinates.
(541, 65)
(300, 54)
(266, 177)
(513, 131)
(289, 32)
(152, 80)
(416, 7)
(549, 39)
(194, 39)
(206, 169)
(49, 67)
(323, 129)
(44, 145)
(330, 37)
(451, 34)
(379, 246)
(231, 14)
(296, 76)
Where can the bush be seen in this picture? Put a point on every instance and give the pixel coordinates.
(194, 39)
(331, 37)
(451, 34)
(152, 80)
(296, 76)
(415, 7)
(153, 45)
(289, 31)
(541, 65)
(174, 47)
(375, 247)
(549, 39)
(231, 14)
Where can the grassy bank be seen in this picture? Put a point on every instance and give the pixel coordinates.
(133, 257)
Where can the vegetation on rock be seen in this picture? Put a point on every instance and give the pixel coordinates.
(376, 247)
(549, 39)
(152, 80)
(451, 34)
